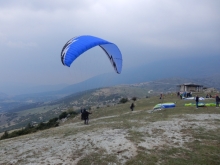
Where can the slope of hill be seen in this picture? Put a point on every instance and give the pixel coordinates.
(22, 114)
(115, 135)
(19, 115)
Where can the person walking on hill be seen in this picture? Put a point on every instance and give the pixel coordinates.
(132, 106)
(217, 100)
(82, 117)
(178, 94)
(85, 116)
(197, 101)
(161, 96)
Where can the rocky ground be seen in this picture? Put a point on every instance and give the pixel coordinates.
(62, 145)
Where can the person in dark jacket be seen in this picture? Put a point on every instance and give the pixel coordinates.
(82, 117)
(132, 106)
(85, 115)
(217, 100)
(197, 101)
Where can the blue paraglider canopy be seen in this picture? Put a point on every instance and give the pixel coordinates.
(78, 45)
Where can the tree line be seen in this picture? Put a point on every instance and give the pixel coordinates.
(54, 122)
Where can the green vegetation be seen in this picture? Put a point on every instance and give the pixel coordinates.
(31, 129)
(54, 122)
(134, 98)
(123, 100)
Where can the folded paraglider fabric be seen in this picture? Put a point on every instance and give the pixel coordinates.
(192, 98)
(164, 105)
(193, 104)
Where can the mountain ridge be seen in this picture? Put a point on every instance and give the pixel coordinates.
(195, 68)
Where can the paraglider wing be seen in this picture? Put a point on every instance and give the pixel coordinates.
(78, 45)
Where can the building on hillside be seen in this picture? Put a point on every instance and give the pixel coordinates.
(189, 87)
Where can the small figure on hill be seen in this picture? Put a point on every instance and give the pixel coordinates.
(132, 106)
(178, 94)
(197, 101)
(161, 96)
(81, 114)
(85, 116)
(184, 94)
(217, 100)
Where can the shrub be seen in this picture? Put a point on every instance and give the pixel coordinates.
(5, 135)
(53, 122)
(63, 115)
(134, 98)
(123, 100)
(41, 126)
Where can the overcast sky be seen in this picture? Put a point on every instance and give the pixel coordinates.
(32, 34)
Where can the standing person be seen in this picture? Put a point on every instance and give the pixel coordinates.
(161, 96)
(86, 116)
(197, 101)
(82, 117)
(217, 100)
(132, 106)
(178, 94)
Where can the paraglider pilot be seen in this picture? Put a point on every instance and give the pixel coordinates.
(81, 114)
(197, 101)
(132, 106)
(217, 99)
(85, 116)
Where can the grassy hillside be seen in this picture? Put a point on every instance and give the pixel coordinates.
(115, 135)
(21, 115)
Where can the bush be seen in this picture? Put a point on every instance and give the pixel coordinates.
(134, 98)
(72, 112)
(41, 126)
(5, 135)
(123, 100)
(63, 115)
(53, 122)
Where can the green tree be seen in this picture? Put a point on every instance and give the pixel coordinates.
(134, 98)
(5, 135)
(123, 100)
(63, 115)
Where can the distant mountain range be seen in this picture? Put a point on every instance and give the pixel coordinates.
(203, 70)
